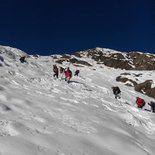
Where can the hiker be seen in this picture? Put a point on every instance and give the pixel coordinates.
(116, 92)
(22, 59)
(61, 70)
(76, 73)
(68, 75)
(152, 104)
(56, 71)
(140, 102)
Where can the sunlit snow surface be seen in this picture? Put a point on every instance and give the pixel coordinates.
(43, 116)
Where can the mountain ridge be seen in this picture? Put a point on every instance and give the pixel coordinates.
(100, 56)
(108, 57)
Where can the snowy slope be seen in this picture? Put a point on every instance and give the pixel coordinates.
(43, 116)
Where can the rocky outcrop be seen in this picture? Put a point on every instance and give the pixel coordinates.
(127, 81)
(73, 60)
(143, 87)
(142, 61)
(111, 58)
(122, 60)
(151, 92)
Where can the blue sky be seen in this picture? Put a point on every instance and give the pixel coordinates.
(57, 26)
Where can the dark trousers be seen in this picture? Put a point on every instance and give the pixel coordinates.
(55, 75)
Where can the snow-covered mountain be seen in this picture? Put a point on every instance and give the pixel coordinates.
(122, 60)
(40, 115)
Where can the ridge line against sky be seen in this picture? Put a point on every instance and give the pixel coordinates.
(57, 27)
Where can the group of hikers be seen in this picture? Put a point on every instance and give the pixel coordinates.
(139, 101)
(66, 71)
(116, 90)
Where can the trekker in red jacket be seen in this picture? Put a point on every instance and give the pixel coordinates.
(140, 102)
(68, 75)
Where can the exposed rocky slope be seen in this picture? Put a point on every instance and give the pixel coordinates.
(127, 61)
(112, 58)
(144, 87)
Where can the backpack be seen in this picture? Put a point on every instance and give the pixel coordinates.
(116, 90)
(61, 69)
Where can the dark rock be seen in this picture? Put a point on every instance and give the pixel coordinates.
(54, 57)
(151, 92)
(125, 74)
(64, 56)
(127, 61)
(124, 80)
(59, 61)
(137, 75)
(74, 60)
(36, 55)
(77, 54)
(144, 87)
